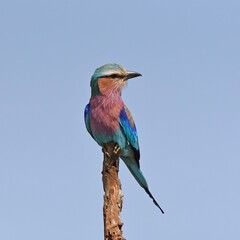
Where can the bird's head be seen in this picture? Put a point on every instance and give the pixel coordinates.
(110, 78)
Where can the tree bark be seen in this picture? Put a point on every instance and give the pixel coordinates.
(113, 198)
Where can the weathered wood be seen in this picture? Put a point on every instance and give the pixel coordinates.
(113, 198)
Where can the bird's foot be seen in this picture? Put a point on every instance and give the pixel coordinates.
(116, 149)
(104, 150)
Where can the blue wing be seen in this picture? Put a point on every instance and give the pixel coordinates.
(130, 131)
(87, 120)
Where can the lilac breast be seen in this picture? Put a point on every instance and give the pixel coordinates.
(104, 114)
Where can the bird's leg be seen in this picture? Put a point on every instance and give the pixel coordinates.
(116, 149)
(110, 151)
(104, 150)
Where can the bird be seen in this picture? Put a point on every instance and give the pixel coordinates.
(107, 118)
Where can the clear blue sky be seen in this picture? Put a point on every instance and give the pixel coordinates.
(186, 107)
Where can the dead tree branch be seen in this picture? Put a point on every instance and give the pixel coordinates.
(113, 198)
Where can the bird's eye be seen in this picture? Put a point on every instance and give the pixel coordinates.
(114, 76)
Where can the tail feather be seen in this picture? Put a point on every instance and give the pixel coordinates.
(154, 201)
(138, 175)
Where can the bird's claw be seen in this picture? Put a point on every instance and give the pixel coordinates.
(116, 149)
(105, 151)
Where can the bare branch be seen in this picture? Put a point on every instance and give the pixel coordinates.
(113, 198)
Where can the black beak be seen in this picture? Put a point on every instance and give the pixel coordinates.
(132, 75)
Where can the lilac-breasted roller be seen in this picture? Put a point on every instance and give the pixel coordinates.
(107, 119)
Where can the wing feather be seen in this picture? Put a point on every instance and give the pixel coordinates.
(130, 131)
(87, 120)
